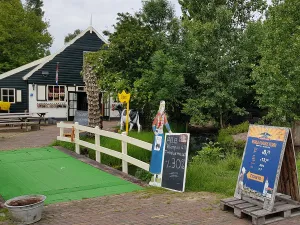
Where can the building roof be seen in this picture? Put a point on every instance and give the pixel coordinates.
(37, 64)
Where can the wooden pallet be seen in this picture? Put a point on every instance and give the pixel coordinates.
(284, 208)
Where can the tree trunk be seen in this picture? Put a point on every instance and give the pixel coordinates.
(221, 119)
(92, 91)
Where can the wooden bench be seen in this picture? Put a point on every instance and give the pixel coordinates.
(38, 118)
(32, 125)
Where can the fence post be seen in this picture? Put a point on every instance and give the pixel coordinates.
(97, 143)
(61, 129)
(77, 146)
(124, 152)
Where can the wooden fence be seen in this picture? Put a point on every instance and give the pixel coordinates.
(99, 149)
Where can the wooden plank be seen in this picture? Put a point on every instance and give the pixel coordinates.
(273, 219)
(229, 199)
(251, 209)
(287, 200)
(253, 201)
(233, 203)
(130, 140)
(66, 139)
(280, 208)
(279, 203)
(244, 205)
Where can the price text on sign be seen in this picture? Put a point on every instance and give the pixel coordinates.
(261, 160)
(175, 161)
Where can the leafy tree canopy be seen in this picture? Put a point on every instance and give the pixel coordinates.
(70, 36)
(23, 35)
(277, 76)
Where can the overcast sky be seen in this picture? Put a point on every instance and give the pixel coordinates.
(65, 16)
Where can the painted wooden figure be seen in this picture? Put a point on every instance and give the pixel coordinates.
(158, 124)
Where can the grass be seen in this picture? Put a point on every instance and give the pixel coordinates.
(5, 213)
(133, 151)
(219, 177)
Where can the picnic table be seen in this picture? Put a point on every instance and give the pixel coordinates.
(21, 118)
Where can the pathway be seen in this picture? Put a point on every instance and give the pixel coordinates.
(150, 206)
(145, 207)
(11, 138)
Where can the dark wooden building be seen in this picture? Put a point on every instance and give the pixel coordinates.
(53, 84)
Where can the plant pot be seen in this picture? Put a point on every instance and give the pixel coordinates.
(26, 209)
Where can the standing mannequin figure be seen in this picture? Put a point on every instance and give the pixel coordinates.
(158, 124)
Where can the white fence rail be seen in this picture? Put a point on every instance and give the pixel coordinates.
(99, 149)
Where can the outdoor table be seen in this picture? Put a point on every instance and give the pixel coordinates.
(42, 116)
(14, 118)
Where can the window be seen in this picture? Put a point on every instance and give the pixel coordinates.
(56, 93)
(81, 88)
(8, 95)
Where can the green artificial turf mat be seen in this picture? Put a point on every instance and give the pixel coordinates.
(55, 174)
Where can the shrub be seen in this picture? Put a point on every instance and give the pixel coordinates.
(232, 162)
(211, 152)
(143, 175)
(241, 128)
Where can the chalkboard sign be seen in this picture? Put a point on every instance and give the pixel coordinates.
(262, 160)
(175, 161)
(81, 117)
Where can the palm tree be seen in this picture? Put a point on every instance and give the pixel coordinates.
(92, 91)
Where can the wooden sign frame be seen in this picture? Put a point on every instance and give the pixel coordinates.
(286, 181)
(186, 160)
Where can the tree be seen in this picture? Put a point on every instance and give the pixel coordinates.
(135, 60)
(35, 6)
(23, 36)
(92, 91)
(277, 75)
(213, 32)
(157, 14)
(71, 36)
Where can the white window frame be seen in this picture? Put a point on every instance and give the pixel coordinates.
(65, 88)
(8, 89)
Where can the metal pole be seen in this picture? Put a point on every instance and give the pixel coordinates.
(127, 120)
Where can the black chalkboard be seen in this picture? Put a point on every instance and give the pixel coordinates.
(175, 161)
(81, 117)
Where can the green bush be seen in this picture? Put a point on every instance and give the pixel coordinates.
(227, 142)
(240, 128)
(239, 146)
(143, 175)
(211, 152)
(232, 162)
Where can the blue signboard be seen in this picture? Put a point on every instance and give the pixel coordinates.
(261, 161)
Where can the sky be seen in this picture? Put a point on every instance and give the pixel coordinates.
(65, 16)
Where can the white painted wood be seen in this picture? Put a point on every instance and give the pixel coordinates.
(21, 68)
(52, 112)
(97, 143)
(77, 146)
(41, 92)
(66, 139)
(61, 128)
(65, 125)
(19, 96)
(99, 149)
(136, 162)
(71, 89)
(124, 152)
(8, 95)
(133, 141)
